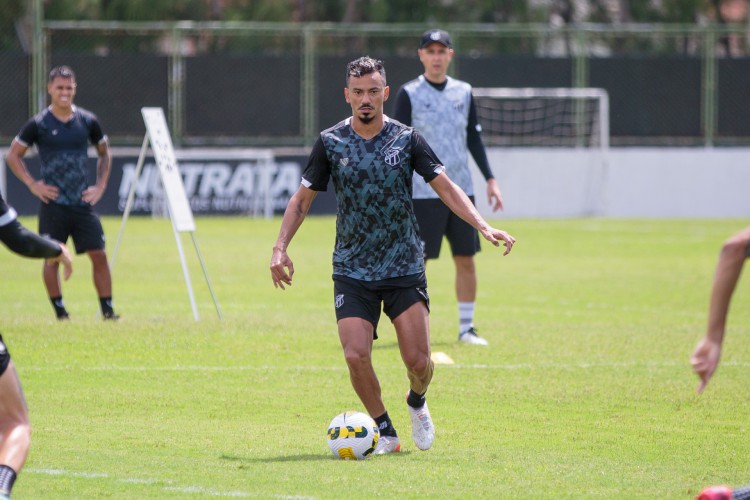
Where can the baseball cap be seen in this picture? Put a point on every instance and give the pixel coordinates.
(436, 36)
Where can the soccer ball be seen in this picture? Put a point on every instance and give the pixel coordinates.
(353, 435)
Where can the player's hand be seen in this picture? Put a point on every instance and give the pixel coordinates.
(92, 195)
(44, 192)
(280, 263)
(495, 236)
(65, 259)
(494, 196)
(705, 360)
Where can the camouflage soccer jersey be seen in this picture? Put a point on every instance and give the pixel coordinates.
(63, 150)
(376, 231)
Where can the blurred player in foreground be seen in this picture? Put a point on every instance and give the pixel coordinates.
(442, 109)
(732, 258)
(62, 133)
(15, 430)
(377, 257)
(724, 493)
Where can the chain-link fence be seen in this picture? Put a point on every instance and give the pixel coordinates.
(265, 84)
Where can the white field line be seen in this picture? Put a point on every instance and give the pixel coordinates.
(307, 368)
(195, 490)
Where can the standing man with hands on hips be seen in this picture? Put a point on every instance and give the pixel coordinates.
(62, 133)
(377, 259)
(442, 109)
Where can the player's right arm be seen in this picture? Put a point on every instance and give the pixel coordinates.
(314, 178)
(14, 160)
(282, 268)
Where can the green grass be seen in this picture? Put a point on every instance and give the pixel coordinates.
(585, 391)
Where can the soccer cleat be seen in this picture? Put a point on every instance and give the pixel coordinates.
(63, 316)
(715, 493)
(110, 316)
(422, 430)
(470, 337)
(387, 444)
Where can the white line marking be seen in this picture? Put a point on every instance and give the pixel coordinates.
(308, 368)
(197, 490)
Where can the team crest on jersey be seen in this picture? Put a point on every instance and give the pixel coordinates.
(343, 162)
(458, 106)
(339, 300)
(392, 156)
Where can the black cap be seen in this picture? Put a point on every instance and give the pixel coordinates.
(436, 36)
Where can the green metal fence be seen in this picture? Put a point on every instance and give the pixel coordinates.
(278, 84)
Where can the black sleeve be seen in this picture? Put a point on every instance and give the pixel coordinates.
(318, 171)
(23, 242)
(475, 144)
(426, 162)
(402, 107)
(29, 133)
(96, 134)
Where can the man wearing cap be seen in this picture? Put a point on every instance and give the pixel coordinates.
(442, 109)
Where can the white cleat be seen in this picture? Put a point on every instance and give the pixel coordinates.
(470, 337)
(387, 444)
(422, 430)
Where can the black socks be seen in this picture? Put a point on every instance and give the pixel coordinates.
(57, 303)
(415, 400)
(385, 425)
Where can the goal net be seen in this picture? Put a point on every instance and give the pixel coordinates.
(561, 135)
(543, 117)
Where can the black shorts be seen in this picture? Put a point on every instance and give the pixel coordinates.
(4, 356)
(362, 299)
(82, 223)
(436, 220)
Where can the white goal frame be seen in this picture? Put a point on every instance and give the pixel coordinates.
(557, 92)
(596, 197)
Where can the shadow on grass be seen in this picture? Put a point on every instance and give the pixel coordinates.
(297, 458)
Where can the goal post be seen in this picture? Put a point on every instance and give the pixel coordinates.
(571, 119)
(530, 116)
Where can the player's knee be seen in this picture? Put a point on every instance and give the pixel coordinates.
(357, 359)
(418, 364)
(465, 264)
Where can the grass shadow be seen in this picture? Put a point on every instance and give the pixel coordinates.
(294, 458)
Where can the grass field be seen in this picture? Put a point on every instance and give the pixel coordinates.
(584, 392)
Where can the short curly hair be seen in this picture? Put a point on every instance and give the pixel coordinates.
(364, 66)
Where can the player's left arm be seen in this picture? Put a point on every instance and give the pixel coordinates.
(479, 153)
(94, 193)
(402, 107)
(454, 197)
(20, 240)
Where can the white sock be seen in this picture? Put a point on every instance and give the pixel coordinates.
(465, 316)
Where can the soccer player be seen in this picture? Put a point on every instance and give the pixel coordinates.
(61, 133)
(377, 257)
(442, 109)
(732, 258)
(15, 430)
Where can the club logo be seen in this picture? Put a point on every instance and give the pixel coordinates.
(343, 162)
(339, 300)
(392, 156)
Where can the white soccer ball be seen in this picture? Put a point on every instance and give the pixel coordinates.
(353, 435)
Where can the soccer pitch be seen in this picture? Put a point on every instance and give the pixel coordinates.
(584, 392)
